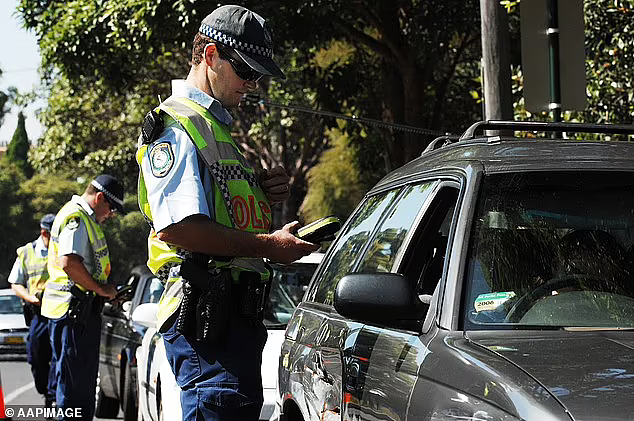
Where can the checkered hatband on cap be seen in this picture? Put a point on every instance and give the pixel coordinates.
(219, 36)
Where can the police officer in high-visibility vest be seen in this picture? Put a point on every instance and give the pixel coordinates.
(210, 213)
(27, 278)
(78, 267)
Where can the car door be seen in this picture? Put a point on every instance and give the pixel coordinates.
(114, 337)
(318, 339)
(412, 240)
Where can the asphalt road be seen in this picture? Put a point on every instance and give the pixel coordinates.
(18, 387)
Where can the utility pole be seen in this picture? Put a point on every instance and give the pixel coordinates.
(496, 63)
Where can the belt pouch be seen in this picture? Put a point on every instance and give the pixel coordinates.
(213, 309)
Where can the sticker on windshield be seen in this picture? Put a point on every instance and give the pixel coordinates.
(492, 300)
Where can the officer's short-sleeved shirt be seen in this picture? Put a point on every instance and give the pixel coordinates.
(74, 238)
(18, 273)
(176, 183)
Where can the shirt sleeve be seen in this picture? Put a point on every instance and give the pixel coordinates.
(172, 179)
(74, 240)
(18, 274)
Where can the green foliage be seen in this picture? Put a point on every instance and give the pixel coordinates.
(11, 216)
(91, 130)
(334, 186)
(17, 151)
(609, 61)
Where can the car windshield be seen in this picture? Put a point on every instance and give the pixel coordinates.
(552, 249)
(288, 284)
(10, 304)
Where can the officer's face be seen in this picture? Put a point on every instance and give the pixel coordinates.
(227, 87)
(104, 209)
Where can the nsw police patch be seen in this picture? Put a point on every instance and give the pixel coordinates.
(161, 159)
(73, 223)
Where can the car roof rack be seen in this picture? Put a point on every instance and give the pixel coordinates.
(546, 127)
(441, 142)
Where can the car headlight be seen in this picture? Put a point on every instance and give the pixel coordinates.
(466, 408)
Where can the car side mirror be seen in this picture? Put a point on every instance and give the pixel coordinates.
(145, 315)
(387, 299)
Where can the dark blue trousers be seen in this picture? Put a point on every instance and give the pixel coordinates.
(220, 382)
(39, 355)
(76, 351)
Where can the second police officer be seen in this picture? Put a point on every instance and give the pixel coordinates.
(210, 214)
(79, 266)
(28, 278)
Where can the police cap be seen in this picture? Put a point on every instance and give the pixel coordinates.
(247, 33)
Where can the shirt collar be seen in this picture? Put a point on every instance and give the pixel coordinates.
(39, 244)
(82, 202)
(182, 88)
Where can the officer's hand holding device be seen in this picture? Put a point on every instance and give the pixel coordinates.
(124, 293)
(323, 229)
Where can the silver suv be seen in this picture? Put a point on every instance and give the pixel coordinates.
(489, 279)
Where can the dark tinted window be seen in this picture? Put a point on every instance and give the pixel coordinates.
(552, 249)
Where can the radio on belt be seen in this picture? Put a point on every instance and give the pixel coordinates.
(323, 229)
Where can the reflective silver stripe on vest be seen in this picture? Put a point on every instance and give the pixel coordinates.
(59, 287)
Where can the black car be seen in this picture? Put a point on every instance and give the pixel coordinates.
(120, 337)
(489, 279)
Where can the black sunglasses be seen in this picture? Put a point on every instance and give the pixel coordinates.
(242, 70)
(113, 207)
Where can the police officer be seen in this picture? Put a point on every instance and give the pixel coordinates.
(210, 210)
(28, 278)
(78, 266)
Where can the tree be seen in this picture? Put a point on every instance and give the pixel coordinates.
(4, 100)
(335, 186)
(17, 151)
(414, 54)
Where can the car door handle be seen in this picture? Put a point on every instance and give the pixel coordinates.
(109, 325)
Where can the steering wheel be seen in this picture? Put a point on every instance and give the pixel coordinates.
(526, 301)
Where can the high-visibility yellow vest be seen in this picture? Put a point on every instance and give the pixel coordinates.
(35, 266)
(239, 201)
(57, 294)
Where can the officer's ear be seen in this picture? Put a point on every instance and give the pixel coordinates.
(208, 53)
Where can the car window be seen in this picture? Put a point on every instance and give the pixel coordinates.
(349, 245)
(552, 249)
(152, 291)
(386, 244)
(288, 285)
(425, 260)
(10, 304)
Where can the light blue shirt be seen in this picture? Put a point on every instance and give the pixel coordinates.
(179, 189)
(75, 239)
(18, 274)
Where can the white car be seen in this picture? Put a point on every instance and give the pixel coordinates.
(13, 329)
(159, 395)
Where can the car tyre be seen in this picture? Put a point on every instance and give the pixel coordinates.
(129, 402)
(105, 407)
